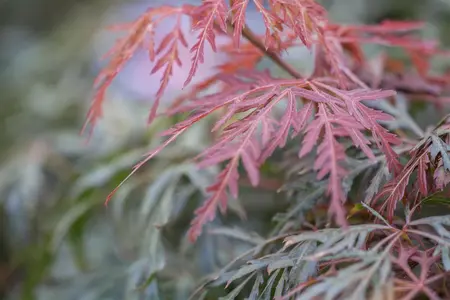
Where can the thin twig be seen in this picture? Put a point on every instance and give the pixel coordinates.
(255, 41)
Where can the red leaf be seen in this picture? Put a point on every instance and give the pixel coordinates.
(330, 155)
(241, 139)
(422, 175)
(141, 30)
(394, 190)
(238, 9)
(213, 11)
(369, 118)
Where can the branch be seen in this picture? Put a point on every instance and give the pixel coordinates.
(255, 41)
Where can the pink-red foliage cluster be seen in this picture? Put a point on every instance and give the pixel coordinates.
(324, 108)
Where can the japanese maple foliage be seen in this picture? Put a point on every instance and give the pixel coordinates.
(346, 99)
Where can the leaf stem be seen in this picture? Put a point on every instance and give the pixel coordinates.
(255, 41)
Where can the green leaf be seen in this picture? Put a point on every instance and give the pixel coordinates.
(436, 198)
(354, 281)
(237, 233)
(245, 270)
(438, 146)
(102, 175)
(381, 174)
(267, 292)
(305, 203)
(445, 254)
(256, 287)
(235, 292)
(279, 290)
(280, 263)
(376, 214)
(76, 240)
(67, 221)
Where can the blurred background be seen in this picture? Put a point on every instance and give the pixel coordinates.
(57, 239)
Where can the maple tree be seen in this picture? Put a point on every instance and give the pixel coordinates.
(347, 99)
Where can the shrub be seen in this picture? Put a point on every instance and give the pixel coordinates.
(353, 146)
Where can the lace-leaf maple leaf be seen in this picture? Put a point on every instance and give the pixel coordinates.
(140, 35)
(272, 23)
(170, 42)
(414, 284)
(304, 17)
(439, 147)
(369, 118)
(395, 189)
(329, 155)
(238, 8)
(431, 148)
(343, 115)
(212, 12)
(241, 141)
(392, 34)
